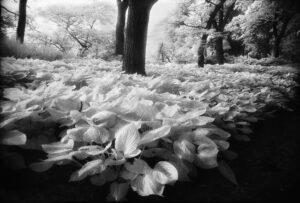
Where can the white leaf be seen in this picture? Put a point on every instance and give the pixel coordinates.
(15, 117)
(127, 139)
(139, 166)
(191, 115)
(207, 153)
(204, 132)
(202, 120)
(156, 134)
(13, 137)
(145, 185)
(106, 117)
(170, 111)
(94, 150)
(96, 134)
(165, 172)
(90, 168)
(222, 145)
(77, 133)
(75, 115)
(58, 147)
(184, 150)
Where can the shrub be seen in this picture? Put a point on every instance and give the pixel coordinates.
(12, 48)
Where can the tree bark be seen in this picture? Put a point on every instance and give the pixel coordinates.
(120, 27)
(21, 21)
(209, 23)
(276, 48)
(219, 40)
(278, 37)
(219, 50)
(201, 50)
(136, 36)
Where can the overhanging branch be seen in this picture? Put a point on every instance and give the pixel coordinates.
(8, 10)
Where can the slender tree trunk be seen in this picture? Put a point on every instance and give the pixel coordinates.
(219, 50)
(219, 40)
(201, 50)
(136, 36)
(276, 48)
(21, 21)
(122, 7)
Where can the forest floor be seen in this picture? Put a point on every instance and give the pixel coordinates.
(267, 169)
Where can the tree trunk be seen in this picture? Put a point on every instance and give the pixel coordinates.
(219, 40)
(122, 7)
(201, 50)
(21, 21)
(278, 37)
(202, 46)
(219, 50)
(136, 36)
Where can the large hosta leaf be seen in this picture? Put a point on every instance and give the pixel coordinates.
(127, 140)
(77, 133)
(146, 185)
(207, 153)
(96, 134)
(59, 147)
(165, 172)
(139, 166)
(184, 150)
(94, 150)
(156, 134)
(13, 137)
(106, 118)
(90, 168)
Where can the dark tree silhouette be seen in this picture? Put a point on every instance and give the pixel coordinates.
(279, 32)
(224, 17)
(202, 46)
(136, 36)
(21, 21)
(122, 8)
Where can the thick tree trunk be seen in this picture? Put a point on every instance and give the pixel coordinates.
(219, 50)
(21, 21)
(202, 46)
(278, 37)
(201, 50)
(122, 7)
(136, 36)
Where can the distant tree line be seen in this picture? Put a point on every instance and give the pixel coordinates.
(218, 28)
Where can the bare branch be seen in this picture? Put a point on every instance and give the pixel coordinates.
(192, 26)
(208, 1)
(9, 10)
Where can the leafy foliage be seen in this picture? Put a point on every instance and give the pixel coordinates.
(113, 125)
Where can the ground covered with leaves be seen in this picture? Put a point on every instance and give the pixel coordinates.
(117, 136)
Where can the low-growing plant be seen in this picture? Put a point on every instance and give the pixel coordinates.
(131, 131)
(12, 48)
